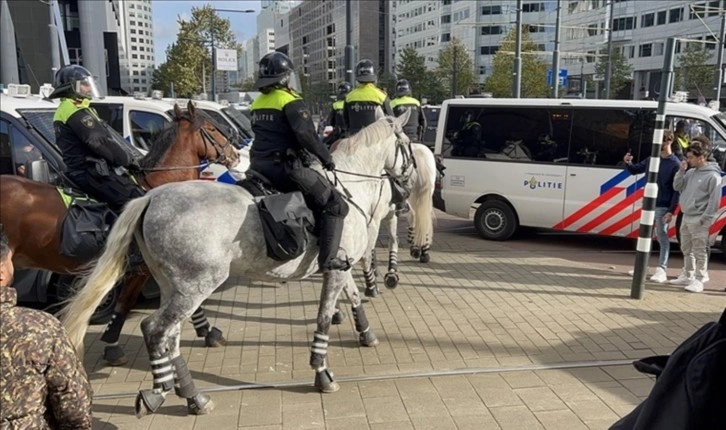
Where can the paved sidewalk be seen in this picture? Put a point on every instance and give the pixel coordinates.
(477, 305)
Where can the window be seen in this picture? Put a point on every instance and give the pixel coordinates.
(491, 10)
(592, 30)
(112, 113)
(489, 50)
(623, 23)
(600, 137)
(713, 8)
(491, 29)
(675, 15)
(645, 50)
(133, 39)
(648, 20)
(661, 19)
(15, 150)
(446, 19)
(145, 126)
(446, 37)
(658, 48)
(629, 51)
(445, 2)
(533, 7)
(537, 28)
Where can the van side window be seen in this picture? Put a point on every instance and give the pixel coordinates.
(6, 156)
(112, 113)
(15, 150)
(600, 137)
(145, 126)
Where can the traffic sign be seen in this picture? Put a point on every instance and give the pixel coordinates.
(562, 77)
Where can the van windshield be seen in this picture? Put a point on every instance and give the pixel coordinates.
(41, 120)
(242, 122)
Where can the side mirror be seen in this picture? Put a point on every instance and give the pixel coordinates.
(38, 171)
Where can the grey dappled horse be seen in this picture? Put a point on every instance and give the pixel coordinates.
(190, 254)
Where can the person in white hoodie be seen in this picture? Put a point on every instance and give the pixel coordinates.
(700, 189)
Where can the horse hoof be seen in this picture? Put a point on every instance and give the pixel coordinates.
(114, 355)
(148, 402)
(215, 338)
(391, 280)
(425, 258)
(201, 404)
(415, 252)
(372, 292)
(338, 317)
(325, 383)
(368, 338)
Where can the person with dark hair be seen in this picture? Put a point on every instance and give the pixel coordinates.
(284, 139)
(366, 103)
(665, 202)
(43, 383)
(700, 189)
(91, 149)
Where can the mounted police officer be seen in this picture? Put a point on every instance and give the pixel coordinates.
(335, 118)
(285, 138)
(366, 103)
(416, 125)
(91, 149)
(467, 141)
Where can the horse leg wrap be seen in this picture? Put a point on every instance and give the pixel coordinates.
(374, 263)
(410, 235)
(113, 329)
(114, 355)
(425, 257)
(393, 261)
(370, 278)
(415, 251)
(200, 322)
(319, 350)
(163, 373)
(361, 321)
(214, 338)
(324, 381)
(183, 382)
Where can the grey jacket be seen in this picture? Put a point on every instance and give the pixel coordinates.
(700, 192)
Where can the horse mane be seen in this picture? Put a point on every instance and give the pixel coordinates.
(166, 138)
(368, 136)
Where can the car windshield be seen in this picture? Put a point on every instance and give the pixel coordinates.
(242, 122)
(41, 120)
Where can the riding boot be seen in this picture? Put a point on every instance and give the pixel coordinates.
(331, 231)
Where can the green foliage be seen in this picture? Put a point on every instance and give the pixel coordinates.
(455, 56)
(693, 73)
(412, 67)
(188, 60)
(534, 69)
(247, 85)
(621, 71)
(387, 82)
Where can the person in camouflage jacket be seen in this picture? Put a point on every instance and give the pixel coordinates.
(42, 382)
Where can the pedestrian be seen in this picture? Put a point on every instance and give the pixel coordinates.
(681, 141)
(366, 103)
(700, 197)
(42, 381)
(665, 202)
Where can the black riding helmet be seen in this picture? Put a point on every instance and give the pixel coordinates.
(275, 69)
(343, 90)
(403, 88)
(74, 82)
(365, 71)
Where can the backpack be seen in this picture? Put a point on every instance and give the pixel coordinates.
(286, 224)
(85, 228)
(690, 388)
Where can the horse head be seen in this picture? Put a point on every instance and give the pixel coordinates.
(402, 163)
(213, 141)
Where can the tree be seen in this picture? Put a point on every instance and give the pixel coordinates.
(621, 71)
(248, 85)
(534, 69)
(188, 60)
(693, 73)
(454, 61)
(412, 67)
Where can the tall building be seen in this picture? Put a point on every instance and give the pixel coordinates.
(251, 58)
(138, 33)
(269, 18)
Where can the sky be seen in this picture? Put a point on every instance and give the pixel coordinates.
(165, 13)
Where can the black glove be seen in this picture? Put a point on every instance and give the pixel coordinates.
(134, 166)
(329, 166)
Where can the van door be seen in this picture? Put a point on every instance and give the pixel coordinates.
(601, 195)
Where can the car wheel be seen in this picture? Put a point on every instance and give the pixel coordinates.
(104, 311)
(495, 220)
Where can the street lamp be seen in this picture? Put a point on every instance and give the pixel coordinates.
(214, 51)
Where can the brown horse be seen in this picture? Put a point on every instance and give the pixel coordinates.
(32, 212)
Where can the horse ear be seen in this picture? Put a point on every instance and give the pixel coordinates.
(190, 108)
(177, 111)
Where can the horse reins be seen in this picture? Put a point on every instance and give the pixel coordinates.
(208, 139)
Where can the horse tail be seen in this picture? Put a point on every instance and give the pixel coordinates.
(421, 198)
(94, 286)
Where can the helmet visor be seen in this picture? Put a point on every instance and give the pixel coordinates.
(87, 87)
(293, 81)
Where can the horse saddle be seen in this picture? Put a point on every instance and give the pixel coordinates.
(287, 221)
(85, 226)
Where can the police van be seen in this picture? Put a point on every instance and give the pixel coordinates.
(557, 163)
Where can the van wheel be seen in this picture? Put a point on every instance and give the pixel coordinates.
(104, 311)
(495, 220)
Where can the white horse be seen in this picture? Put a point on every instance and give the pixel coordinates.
(191, 254)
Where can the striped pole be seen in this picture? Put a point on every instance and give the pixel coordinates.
(647, 215)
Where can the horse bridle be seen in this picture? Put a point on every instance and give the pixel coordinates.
(208, 139)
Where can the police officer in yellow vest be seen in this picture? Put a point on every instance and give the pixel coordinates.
(335, 118)
(403, 102)
(92, 151)
(366, 103)
(285, 138)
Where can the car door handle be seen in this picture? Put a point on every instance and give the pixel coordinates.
(573, 174)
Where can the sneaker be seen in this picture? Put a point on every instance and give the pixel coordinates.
(695, 287)
(659, 276)
(631, 272)
(682, 280)
(705, 279)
